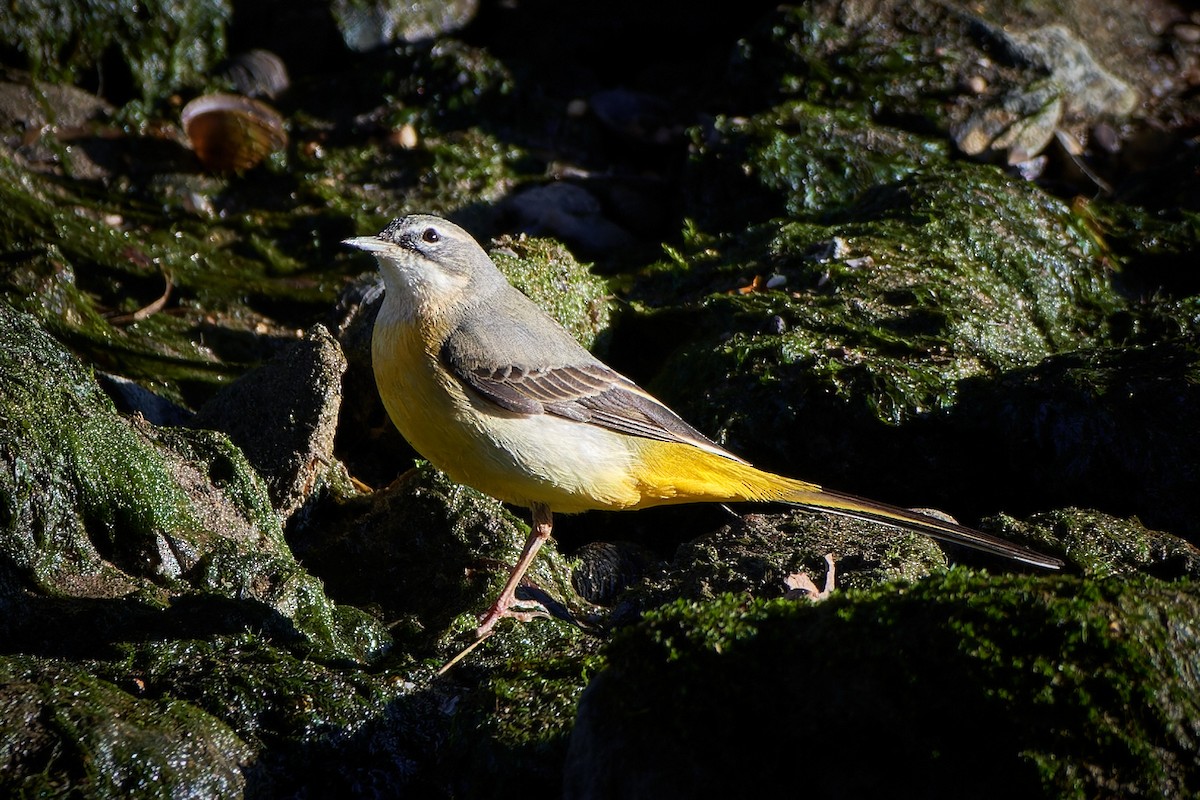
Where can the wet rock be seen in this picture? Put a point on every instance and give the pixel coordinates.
(992, 72)
(131, 397)
(569, 213)
(1074, 90)
(283, 415)
(147, 554)
(100, 508)
(920, 261)
(754, 555)
(963, 683)
(1087, 89)
(37, 118)
(121, 742)
(1106, 546)
(603, 570)
(377, 23)
(795, 159)
(430, 555)
(145, 49)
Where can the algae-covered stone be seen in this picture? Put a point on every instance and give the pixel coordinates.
(756, 554)
(514, 728)
(283, 416)
(68, 732)
(1102, 545)
(932, 66)
(164, 44)
(432, 555)
(313, 726)
(762, 555)
(91, 508)
(799, 159)
(964, 684)
(92, 273)
(952, 272)
(97, 506)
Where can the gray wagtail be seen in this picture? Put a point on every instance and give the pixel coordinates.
(496, 394)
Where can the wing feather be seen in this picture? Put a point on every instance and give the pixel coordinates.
(589, 393)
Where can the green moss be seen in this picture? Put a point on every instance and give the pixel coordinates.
(69, 733)
(798, 159)
(825, 54)
(966, 683)
(513, 728)
(79, 275)
(430, 556)
(1102, 546)
(165, 44)
(1155, 256)
(951, 272)
(265, 692)
(77, 478)
(97, 506)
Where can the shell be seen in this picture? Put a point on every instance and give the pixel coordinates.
(257, 73)
(232, 133)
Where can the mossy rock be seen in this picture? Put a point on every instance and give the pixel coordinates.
(97, 507)
(964, 683)
(161, 46)
(70, 733)
(873, 320)
(431, 555)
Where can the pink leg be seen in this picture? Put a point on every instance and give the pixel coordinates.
(543, 523)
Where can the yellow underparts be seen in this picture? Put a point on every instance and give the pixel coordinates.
(566, 465)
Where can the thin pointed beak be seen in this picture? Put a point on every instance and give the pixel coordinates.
(371, 244)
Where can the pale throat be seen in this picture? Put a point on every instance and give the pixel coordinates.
(417, 291)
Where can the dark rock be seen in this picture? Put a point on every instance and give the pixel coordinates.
(143, 49)
(121, 743)
(603, 570)
(568, 213)
(283, 415)
(119, 517)
(366, 25)
(963, 684)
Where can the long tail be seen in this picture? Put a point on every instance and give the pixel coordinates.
(819, 499)
(703, 476)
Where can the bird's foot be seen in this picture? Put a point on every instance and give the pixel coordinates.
(507, 605)
(800, 585)
(503, 607)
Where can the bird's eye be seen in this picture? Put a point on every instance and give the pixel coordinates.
(430, 236)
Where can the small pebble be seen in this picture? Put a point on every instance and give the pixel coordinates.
(405, 137)
(1186, 32)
